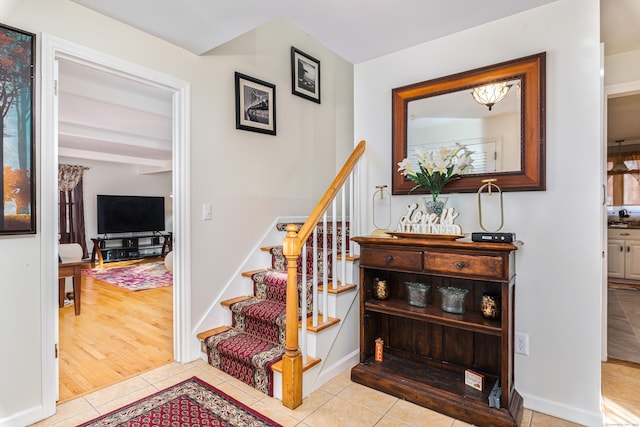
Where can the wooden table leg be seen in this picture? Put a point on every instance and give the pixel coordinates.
(77, 287)
(61, 283)
(73, 269)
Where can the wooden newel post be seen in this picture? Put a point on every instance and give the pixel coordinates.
(292, 359)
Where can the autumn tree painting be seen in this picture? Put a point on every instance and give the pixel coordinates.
(17, 213)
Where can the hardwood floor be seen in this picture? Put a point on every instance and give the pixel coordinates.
(118, 335)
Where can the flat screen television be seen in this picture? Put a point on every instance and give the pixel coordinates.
(130, 214)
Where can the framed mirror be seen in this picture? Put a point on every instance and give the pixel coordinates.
(506, 133)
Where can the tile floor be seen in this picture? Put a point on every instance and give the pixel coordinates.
(343, 403)
(338, 403)
(624, 323)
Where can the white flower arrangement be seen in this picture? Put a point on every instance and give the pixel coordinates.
(437, 167)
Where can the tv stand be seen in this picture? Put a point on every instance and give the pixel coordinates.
(122, 248)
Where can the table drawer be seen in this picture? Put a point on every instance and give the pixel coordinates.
(391, 258)
(482, 266)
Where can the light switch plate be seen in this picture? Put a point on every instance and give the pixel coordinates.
(207, 212)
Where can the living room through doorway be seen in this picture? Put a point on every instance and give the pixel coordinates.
(100, 129)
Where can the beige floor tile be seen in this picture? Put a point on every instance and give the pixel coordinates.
(373, 399)
(339, 402)
(247, 389)
(116, 391)
(236, 391)
(277, 414)
(126, 399)
(542, 420)
(161, 384)
(166, 371)
(338, 412)
(75, 420)
(67, 418)
(526, 418)
(414, 415)
(73, 407)
(211, 376)
(458, 423)
(309, 404)
(391, 422)
(338, 383)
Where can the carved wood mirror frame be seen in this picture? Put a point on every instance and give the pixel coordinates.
(531, 176)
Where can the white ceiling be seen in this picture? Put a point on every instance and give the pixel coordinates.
(357, 30)
(109, 118)
(99, 122)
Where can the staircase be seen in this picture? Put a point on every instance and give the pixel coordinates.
(300, 326)
(251, 348)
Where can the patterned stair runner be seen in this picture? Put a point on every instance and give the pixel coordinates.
(256, 340)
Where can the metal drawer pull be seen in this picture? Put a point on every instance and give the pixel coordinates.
(388, 259)
(460, 265)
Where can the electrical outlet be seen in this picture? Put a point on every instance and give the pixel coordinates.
(521, 343)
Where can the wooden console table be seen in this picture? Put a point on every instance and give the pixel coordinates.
(73, 269)
(426, 350)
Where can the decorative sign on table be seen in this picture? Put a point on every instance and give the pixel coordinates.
(419, 222)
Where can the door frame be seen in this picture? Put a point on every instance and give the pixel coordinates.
(610, 91)
(52, 49)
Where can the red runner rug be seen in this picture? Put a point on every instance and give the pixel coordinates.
(245, 357)
(190, 403)
(149, 275)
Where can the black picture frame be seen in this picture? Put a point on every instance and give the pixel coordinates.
(255, 104)
(305, 75)
(17, 154)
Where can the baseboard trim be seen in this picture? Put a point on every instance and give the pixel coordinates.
(565, 412)
(25, 418)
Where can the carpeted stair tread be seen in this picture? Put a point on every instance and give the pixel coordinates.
(249, 274)
(262, 318)
(229, 302)
(202, 336)
(272, 285)
(245, 357)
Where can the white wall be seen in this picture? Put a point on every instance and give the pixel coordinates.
(558, 291)
(249, 178)
(622, 68)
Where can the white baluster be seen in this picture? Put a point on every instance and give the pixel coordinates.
(303, 296)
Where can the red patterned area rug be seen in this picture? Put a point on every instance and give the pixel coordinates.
(187, 404)
(136, 277)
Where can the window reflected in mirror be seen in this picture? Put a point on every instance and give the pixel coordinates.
(492, 135)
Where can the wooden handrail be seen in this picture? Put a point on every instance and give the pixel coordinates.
(332, 192)
(292, 248)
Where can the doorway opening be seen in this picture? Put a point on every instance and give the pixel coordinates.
(621, 293)
(54, 50)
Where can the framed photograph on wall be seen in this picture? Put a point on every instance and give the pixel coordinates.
(18, 210)
(305, 75)
(255, 105)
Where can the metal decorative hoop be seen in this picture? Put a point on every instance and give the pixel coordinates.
(489, 184)
(381, 189)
